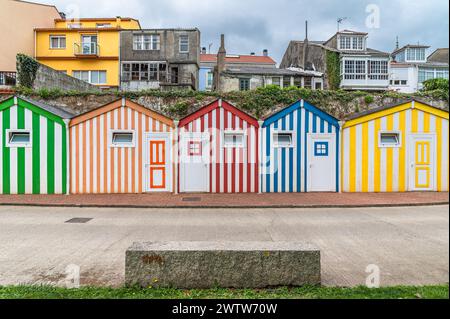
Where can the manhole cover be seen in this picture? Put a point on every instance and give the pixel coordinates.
(78, 220)
(192, 199)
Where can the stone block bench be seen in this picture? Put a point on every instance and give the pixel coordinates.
(197, 265)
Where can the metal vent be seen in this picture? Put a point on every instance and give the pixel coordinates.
(78, 220)
(191, 199)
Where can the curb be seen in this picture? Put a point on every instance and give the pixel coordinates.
(224, 207)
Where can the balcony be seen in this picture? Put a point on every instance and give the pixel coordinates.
(7, 78)
(362, 81)
(86, 50)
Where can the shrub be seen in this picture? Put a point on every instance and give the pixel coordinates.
(436, 84)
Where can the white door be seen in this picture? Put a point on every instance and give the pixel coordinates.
(321, 164)
(158, 162)
(194, 163)
(422, 148)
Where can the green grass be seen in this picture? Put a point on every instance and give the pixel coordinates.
(402, 292)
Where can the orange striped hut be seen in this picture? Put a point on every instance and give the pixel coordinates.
(121, 147)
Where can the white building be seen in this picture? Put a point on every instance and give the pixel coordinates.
(410, 67)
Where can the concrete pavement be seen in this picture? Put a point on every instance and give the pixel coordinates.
(409, 244)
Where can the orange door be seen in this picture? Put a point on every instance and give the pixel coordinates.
(158, 165)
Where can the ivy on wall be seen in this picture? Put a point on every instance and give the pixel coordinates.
(26, 70)
(333, 69)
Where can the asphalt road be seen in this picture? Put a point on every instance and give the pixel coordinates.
(409, 245)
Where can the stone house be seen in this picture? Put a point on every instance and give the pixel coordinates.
(239, 74)
(360, 67)
(159, 59)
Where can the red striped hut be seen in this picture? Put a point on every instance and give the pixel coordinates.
(218, 149)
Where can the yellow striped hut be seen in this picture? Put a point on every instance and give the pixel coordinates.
(397, 148)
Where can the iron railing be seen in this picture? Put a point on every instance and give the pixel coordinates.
(86, 48)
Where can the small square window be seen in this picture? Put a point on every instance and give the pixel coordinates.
(282, 140)
(18, 138)
(389, 139)
(195, 148)
(122, 139)
(321, 149)
(233, 140)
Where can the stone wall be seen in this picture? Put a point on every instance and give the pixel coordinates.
(49, 78)
(339, 109)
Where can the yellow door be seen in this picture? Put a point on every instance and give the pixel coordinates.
(422, 154)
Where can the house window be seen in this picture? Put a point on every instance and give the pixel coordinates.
(103, 25)
(354, 69)
(209, 80)
(146, 42)
(18, 138)
(389, 139)
(298, 81)
(74, 25)
(308, 82)
(244, 84)
(143, 72)
(184, 44)
(283, 140)
(286, 81)
(378, 70)
(57, 42)
(345, 42)
(120, 138)
(92, 77)
(195, 148)
(415, 54)
(321, 149)
(318, 85)
(233, 139)
(276, 81)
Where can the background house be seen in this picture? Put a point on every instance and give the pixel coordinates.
(240, 74)
(159, 58)
(410, 67)
(209, 61)
(361, 68)
(17, 20)
(87, 49)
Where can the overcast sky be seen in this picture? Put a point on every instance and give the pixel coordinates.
(254, 25)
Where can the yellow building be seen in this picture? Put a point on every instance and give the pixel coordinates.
(87, 49)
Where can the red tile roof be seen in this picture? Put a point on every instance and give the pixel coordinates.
(238, 59)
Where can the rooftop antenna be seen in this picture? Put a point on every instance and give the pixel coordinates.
(397, 45)
(339, 21)
(306, 28)
(209, 48)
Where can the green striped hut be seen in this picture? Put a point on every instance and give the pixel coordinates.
(33, 148)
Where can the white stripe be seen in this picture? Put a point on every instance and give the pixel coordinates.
(95, 147)
(358, 164)
(137, 154)
(13, 152)
(346, 164)
(294, 171)
(420, 121)
(383, 158)
(371, 155)
(108, 155)
(130, 164)
(221, 160)
(58, 158)
(395, 157)
(43, 153)
(253, 159)
(408, 127)
(29, 155)
(87, 148)
(302, 150)
(102, 155)
(115, 156)
(245, 160)
(213, 152)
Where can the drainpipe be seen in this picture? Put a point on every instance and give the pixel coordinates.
(340, 155)
(66, 121)
(175, 157)
(260, 156)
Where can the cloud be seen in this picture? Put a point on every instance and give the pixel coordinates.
(254, 25)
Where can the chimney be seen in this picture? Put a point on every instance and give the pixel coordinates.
(265, 52)
(305, 47)
(204, 50)
(221, 55)
(252, 53)
(397, 46)
(118, 21)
